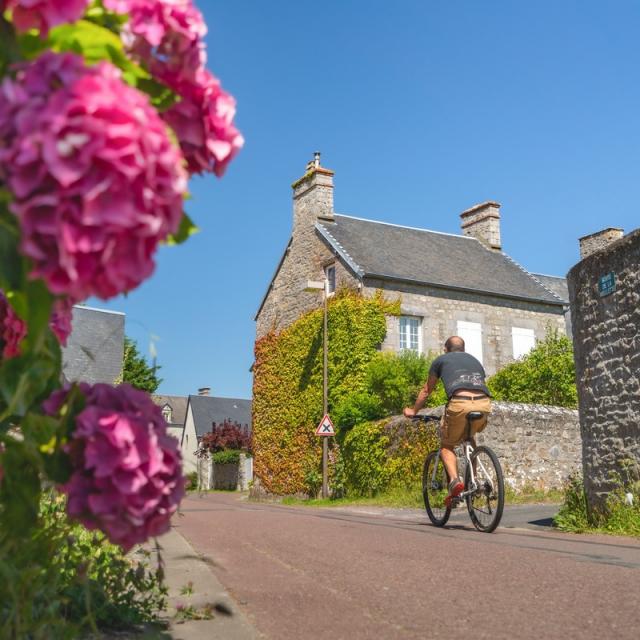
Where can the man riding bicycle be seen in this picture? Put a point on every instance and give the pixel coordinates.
(463, 377)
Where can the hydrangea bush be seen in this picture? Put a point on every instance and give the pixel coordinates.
(106, 109)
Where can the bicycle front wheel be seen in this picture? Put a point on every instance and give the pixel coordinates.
(435, 489)
(486, 503)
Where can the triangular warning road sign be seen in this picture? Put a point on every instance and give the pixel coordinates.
(325, 428)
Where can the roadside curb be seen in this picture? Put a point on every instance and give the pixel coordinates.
(192, 584)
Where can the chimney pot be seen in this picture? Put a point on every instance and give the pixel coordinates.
(204, 391)
(313, 196)
(482, 221)
(599, 240)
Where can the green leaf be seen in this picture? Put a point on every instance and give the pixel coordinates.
(20, 487)
(186, 229)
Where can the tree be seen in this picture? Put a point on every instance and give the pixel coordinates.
(546, 375)
(136, 371)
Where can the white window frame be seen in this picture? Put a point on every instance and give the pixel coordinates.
(167, 413)
(471, 333)
(522, 341)
(405, 332)
(330, 267)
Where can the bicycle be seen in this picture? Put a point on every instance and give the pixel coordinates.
(483, 482)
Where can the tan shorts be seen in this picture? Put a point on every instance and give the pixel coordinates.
(454, 419)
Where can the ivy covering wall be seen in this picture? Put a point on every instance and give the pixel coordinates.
(287, 388)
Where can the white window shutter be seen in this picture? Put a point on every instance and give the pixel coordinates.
(471, 333)
(523, 341)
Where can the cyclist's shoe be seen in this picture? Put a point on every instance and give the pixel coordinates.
(456, 487)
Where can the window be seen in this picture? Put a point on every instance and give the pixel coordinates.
(411, 333)
(167, 413)
(523, 341)
(330, 275)
(471, 333)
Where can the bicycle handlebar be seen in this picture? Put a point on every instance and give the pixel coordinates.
(425, 418)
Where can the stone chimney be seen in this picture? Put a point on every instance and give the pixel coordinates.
(204, 391)
(313, 195)
(483, 222)
(599, 240)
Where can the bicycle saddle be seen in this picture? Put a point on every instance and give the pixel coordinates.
(475, 415)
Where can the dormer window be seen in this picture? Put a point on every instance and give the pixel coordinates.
(167, 413)
(330, 275)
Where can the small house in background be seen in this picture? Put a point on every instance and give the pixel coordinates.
(95, 347)
(174, 411)
(199, 413)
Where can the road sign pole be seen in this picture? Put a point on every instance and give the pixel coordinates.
(325, 395)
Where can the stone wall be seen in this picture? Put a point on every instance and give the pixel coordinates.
(606, 342)
(441, 309)
(538, 446)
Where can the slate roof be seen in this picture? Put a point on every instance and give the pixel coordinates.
(557, 284)
(393, 252)
(95, 347)
(209, 409)
(178, 405)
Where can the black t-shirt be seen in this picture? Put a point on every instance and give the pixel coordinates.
(459, 370)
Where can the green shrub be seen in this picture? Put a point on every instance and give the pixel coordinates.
(227, 456)
(191, 481)
(364, 451)
(64, 580)
(392, 383)
(356, 408)
(621, 517)
(384, 454)
(573, 513)
(546, 375)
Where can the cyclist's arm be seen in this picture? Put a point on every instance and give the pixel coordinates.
(425, 392)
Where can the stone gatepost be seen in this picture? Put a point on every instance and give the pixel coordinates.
(604, 291)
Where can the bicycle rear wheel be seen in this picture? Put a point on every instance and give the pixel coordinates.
(486, 504)
(435, 489)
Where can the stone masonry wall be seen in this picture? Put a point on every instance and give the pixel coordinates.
(606, 338)
(538, 446)
(440, 311)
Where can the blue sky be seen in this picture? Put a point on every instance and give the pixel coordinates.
(422, 109)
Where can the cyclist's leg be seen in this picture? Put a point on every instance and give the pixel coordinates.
(449, 460)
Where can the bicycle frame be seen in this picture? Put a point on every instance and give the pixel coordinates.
(467, 450)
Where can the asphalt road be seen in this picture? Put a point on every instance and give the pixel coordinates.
(354, 573)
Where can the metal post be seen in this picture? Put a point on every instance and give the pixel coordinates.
(325, 395)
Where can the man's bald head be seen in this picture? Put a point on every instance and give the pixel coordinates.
(454, 343)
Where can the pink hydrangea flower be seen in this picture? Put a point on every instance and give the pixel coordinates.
(97, 183)
(61, 317)
(127, 479)
(44, 14)
(12, 329)
(203, 122)
(167, 35)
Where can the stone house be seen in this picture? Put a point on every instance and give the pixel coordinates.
(190, 418)
(448, 284)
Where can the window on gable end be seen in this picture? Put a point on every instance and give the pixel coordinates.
(330, 275)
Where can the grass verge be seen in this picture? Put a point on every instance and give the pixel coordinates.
(411, 498)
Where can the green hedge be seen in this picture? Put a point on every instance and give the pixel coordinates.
(379, 455)
(287, 392)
